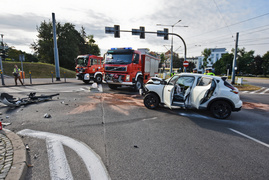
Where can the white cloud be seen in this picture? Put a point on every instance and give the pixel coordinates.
(208, 20)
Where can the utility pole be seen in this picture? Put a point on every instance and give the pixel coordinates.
(56, 56)
(234, 61)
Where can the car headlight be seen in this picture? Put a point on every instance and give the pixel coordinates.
(127, 78)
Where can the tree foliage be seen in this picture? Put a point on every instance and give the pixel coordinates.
(244, 60)
(224, 63)
(206, 53)
(13, 55)
(70, 43)
(265, 63)
(247, 63)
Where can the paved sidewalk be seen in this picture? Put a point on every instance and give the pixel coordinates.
(12, 156)
(9, 81)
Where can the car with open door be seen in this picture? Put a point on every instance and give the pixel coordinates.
(193, 91)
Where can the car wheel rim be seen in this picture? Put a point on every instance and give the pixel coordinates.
(221, 110)
(150, 101)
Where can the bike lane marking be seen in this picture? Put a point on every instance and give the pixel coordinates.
(93, 162)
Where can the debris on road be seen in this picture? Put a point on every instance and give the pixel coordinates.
(8, 99)
(47, 115)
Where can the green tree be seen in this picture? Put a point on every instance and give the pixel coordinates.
(70, 44)
(206, 53)
(244, 60)
(223, 63)
(44, 45)
(265, 63)
(13, 54)
(256, 65)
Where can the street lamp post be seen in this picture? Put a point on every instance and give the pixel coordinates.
(171, 61)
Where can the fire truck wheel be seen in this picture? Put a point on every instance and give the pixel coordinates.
(86, 81)
(98, 79)
(138, 84)
(151, 101)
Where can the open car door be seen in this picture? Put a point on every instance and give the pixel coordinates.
(168, 91)
(201, 91)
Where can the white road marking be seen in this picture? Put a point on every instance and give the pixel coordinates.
(253, 92)
(59, 167)
(251, 138)
(196, 116)
(265, 91)
(92, 161)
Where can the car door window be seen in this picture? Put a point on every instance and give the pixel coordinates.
(204, 82)
(182, 87)
(173, 80)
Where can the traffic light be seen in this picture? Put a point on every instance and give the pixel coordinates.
(116, 31)
(165, 37)
(142, 32)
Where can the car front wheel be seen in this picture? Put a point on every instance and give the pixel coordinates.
(151, 101)
(221, 109)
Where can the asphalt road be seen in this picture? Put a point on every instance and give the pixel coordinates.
(135, 143)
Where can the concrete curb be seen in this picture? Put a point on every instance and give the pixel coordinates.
(18, 169)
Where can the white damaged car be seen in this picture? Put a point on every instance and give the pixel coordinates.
(193, 91)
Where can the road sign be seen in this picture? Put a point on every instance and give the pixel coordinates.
(185, 63)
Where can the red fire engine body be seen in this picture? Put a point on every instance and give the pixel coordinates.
(125, 66)
(89, 67)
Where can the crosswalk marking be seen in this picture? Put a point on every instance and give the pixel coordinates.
(253, 92)
(263, 90)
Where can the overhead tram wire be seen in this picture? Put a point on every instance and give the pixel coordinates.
(223, 39)
(222, 17)
(240, 22)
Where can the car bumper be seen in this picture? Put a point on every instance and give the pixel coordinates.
(238, 106)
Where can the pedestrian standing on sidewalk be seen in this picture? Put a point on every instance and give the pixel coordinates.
(16, 74)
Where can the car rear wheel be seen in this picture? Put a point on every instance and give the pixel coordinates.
(151, 101)
(221, 109)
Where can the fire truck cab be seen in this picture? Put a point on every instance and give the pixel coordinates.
(89, 68)
(128, 67)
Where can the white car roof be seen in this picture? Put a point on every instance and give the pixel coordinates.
(198, 75)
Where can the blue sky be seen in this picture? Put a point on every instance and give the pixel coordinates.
(211, 23)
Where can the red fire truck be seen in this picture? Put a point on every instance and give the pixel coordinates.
(125, 66)
(89, 67)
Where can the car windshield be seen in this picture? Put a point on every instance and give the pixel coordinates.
(82, 61)
(118, 58)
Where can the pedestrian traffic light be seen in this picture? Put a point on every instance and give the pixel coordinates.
(116, 31)
(165, 34)
(142, 32)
